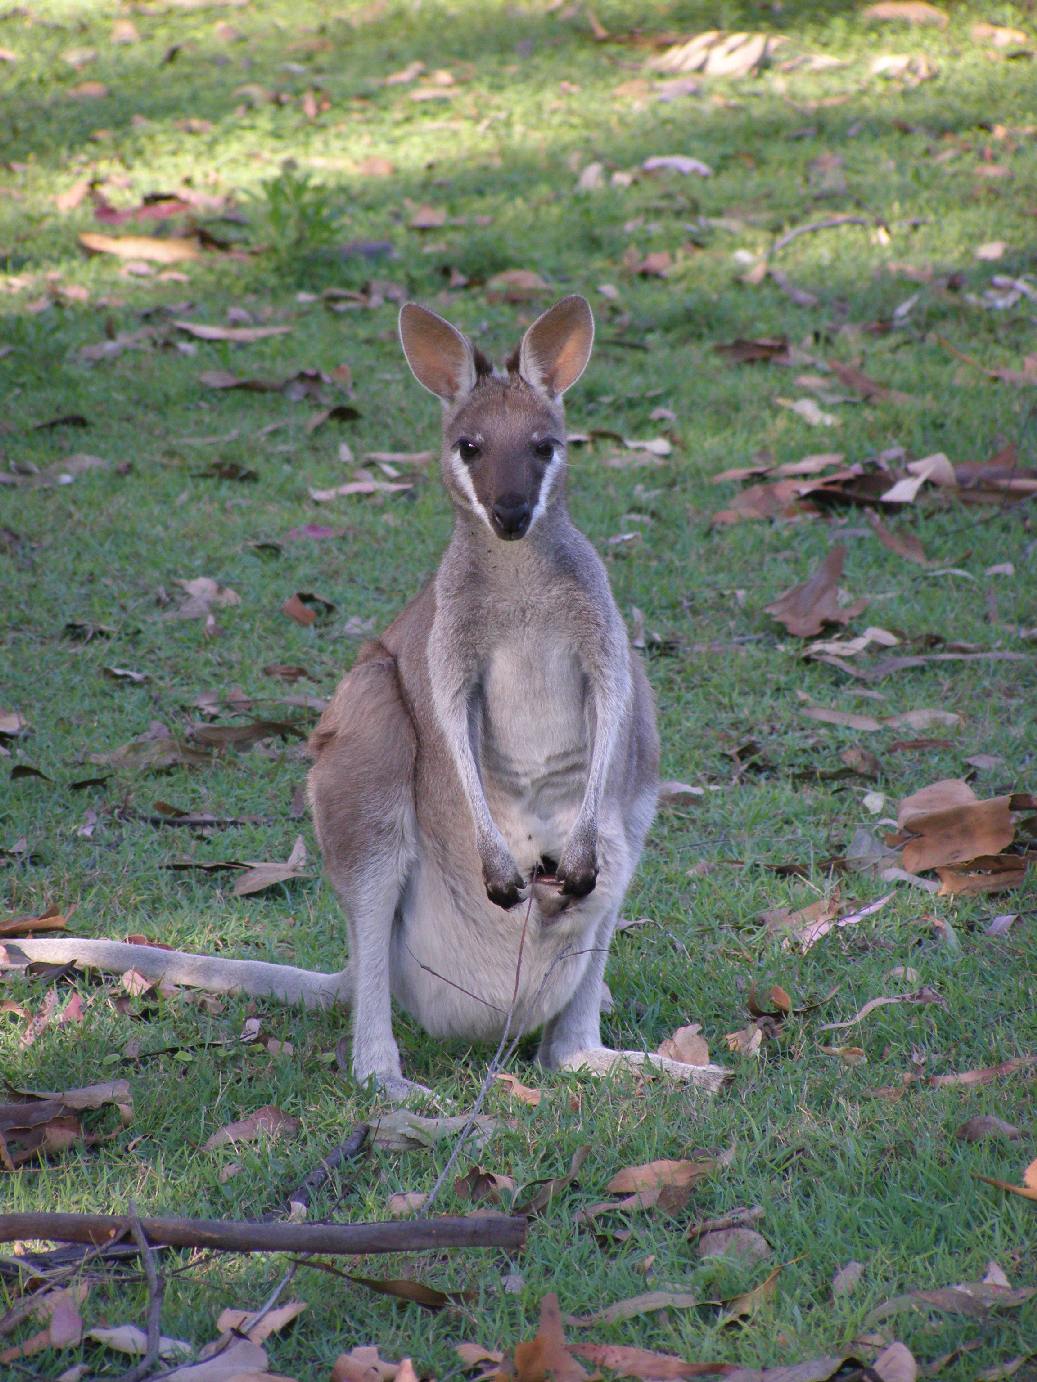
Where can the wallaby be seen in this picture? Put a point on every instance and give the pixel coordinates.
(485, 775)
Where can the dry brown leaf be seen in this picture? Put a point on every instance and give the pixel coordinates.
(849, 1055)
(998, 35)
(654, 1175)
(268, 1121)
(405, 1202)
(808, 409)
(644, 1364)
(517, 1090)
(44, 1122)
(952, 826)
(260, 875)
(985, 1125)
(545, 1190)
(856, 379)
(515, 285)
(265, 1323)
(847, 1278)
(895, 1364)
(907, 12)
(546, 1355)
(645, 1304)
(475, 1356)
(744, 1306)
(130, 1338)
(718, 53)
(241, 1361)
(747, 1041)
(988, 873)
(240, 334)
(686, 1046)
(63, 1324)
(1028, 1189)
(743, 351)
(202, 594)
(935, 469)
(807, 607)
(50, 920)
(976, 1299)
(904, 544)
(480, 1185)
(363, 1364)
(171, 249)
(742, 1244)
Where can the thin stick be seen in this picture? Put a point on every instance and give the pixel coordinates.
(829, 224)
(321, 1173)
(411, 1235)
(156, 1289)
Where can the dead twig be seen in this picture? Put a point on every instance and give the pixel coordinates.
(321, 1173)
(830, 223)
(156, 1290)
(410, 1235)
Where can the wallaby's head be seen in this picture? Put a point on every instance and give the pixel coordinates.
(503, 431)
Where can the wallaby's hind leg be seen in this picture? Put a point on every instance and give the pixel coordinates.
(578, 1026)
(362, 793)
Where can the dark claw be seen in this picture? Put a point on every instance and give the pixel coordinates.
(579, 884)
(505, 895)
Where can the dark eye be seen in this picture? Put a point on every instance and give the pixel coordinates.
(544, 449)
(467, 449)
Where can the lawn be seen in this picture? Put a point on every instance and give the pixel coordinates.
(307, 167)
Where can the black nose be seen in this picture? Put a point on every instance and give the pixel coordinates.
(511, 515)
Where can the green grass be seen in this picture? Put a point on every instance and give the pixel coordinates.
(840, 1174)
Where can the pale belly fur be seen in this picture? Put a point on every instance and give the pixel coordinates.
(533, 748)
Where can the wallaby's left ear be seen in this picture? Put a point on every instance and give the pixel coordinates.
(555, 350)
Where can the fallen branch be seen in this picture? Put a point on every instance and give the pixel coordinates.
(411, 1235)
(156, 1289)
(829, 224)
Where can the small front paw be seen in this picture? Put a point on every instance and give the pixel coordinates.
(504, 891)
(578, 871)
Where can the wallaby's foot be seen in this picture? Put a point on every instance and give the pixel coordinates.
(602, 1060)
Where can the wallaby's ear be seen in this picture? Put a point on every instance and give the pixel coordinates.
(555, 350)
(439, 356)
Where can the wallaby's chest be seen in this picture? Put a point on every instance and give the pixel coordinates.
(534, 731)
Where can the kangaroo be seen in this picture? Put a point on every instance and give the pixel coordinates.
(485, 776)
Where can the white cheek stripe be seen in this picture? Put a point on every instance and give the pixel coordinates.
(554, 465)
(464, 482)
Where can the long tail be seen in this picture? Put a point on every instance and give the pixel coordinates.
(256, 978)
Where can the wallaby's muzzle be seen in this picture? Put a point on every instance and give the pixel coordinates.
(510, 515)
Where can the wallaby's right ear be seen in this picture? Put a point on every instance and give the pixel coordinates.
(439, 356)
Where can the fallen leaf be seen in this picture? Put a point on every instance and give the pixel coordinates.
(806, 608)
(50, 920)
(169, 250)
(849, 1055)
(747, 1041)
(686, 1046)
(515, 285)
(261, 875)
(130, 1338)
(481, 1185)
(924, 995)
(1028, 1189)
(985, 1125)
(677, 163)
(976, 1299)
(718, 53)
(950, 825)
(856, 379)
(895, 1364)
(547, 1355)
(998, 35)
(987, 873)
(847, 1278)
(202, 594)
(654, 1175)
(644, 1364)
(267, 1121)
(679, 793)
(935, 469)
(405, 1202)
(545, 1190)
(42, 1122)
(240, 334)
(403, 1131)
(904, 544)
(810, 411)
(364, 1364)
(258, 1326)
(742, 1244)
(645, 1304)
(242, 1361)
(742, 352)
(907, 12)
(744, 1306)
(517, 1090)
(59, 1312)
